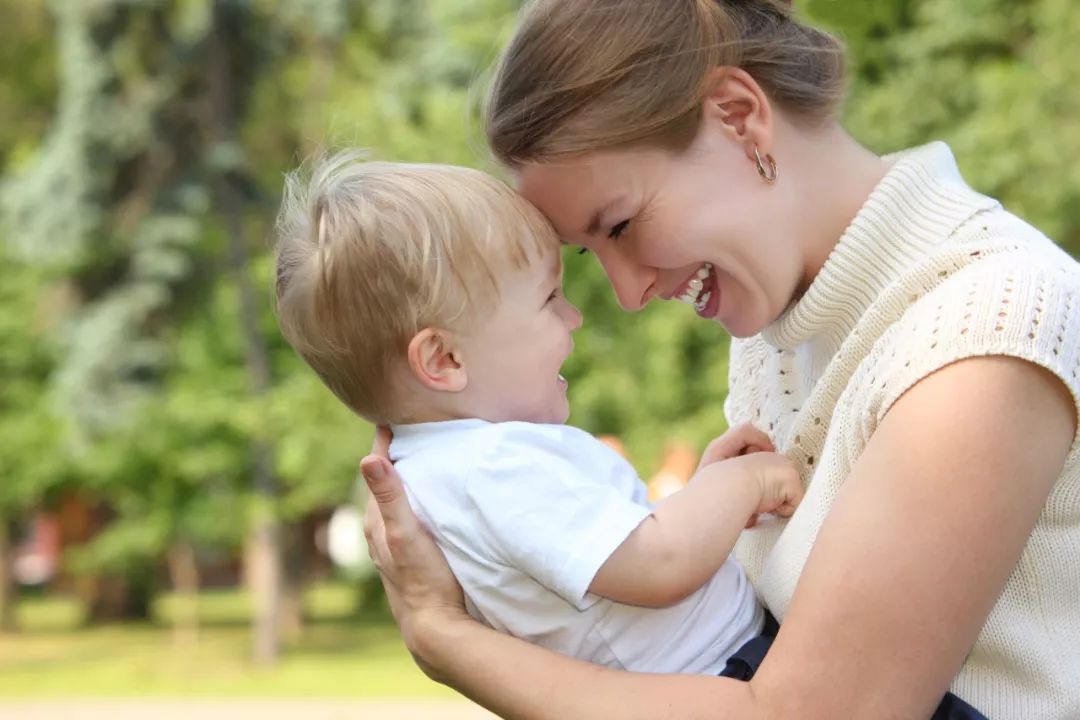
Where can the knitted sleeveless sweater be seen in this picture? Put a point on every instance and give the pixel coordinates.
(929, 272)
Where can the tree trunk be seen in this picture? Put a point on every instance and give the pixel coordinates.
(263, 572)
(109, 598)
(293, 577)
(226, 94)
(184, 576)
(8, 589)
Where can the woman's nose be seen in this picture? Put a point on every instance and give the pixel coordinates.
(634, 284)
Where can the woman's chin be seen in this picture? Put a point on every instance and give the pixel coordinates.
(741, 327)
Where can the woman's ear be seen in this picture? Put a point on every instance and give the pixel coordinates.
(435, 362)
(739, 108)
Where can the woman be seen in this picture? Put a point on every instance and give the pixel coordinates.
(912, 345)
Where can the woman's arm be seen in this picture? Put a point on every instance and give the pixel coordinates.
(920, 542)
(519, 681)
(908, 563)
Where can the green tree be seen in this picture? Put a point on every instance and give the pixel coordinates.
(994, 78)
(29, 463)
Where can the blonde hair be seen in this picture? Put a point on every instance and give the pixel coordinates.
(586, 75)
(370, 253)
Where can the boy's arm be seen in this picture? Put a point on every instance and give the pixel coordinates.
(686, 539)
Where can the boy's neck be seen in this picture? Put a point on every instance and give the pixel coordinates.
(429, 416)
(426, 407)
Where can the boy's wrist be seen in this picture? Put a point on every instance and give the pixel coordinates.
(745, 487)
(755, 483)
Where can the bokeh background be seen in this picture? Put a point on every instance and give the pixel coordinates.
(173, 482)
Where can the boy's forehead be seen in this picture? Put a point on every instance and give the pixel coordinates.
(552, 259)
(539, 267)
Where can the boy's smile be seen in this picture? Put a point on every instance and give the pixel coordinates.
(512, 358)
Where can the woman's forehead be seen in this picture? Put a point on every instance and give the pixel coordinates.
(569, 194)
(578, 196)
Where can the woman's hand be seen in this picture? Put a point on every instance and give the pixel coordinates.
(424, 595)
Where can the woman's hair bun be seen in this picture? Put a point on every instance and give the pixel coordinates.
(784, 7)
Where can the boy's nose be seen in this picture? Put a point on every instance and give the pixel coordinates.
(576, 318)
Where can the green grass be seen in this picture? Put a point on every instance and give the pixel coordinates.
(338, 656)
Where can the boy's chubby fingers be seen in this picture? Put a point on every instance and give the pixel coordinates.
(746, 438)
(739, 440)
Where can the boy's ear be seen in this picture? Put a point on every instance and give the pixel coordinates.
(434, 361)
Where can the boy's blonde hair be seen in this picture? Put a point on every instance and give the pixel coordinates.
(370, 253)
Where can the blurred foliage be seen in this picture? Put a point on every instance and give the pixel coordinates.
(997, 79)
(123, 363)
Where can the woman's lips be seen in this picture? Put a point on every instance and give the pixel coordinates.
(709, 307)
(699, 289)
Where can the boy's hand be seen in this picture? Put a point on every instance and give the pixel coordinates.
(779, 482)
(773, 476)
(739, 440)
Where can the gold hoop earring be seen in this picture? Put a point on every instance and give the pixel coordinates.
(769, 174)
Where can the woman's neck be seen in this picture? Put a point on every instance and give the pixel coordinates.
(833, 176)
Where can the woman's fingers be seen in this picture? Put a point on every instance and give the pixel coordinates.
(399, 522)
(375, 533)
(380, 444)
(413, 569)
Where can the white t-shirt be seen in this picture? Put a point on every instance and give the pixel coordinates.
(527, 514)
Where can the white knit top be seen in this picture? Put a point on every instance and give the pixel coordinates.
(929, 272)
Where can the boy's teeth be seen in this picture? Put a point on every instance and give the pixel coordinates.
(703, 271)
(700, 304)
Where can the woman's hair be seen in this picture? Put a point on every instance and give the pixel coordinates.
(586, 75)
(370, 253)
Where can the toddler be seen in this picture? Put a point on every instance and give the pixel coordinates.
(429, 298)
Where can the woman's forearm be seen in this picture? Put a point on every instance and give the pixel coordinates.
(519, 681)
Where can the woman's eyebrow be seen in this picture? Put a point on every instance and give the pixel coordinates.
(598, 216)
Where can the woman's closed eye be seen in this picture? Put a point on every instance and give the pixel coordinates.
(616, 230)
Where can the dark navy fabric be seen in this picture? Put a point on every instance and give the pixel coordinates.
(747, 659)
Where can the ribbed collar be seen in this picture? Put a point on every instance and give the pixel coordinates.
(915, 207)
(409, 439)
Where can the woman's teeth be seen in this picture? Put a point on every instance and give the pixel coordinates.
(693, 294)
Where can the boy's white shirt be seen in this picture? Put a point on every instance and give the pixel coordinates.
(528, 513)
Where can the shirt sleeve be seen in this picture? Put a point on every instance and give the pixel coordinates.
(556, 506)
(1013, 306)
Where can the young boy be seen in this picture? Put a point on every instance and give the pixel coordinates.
(429, 298)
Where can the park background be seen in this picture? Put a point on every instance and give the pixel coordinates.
(168, 468)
